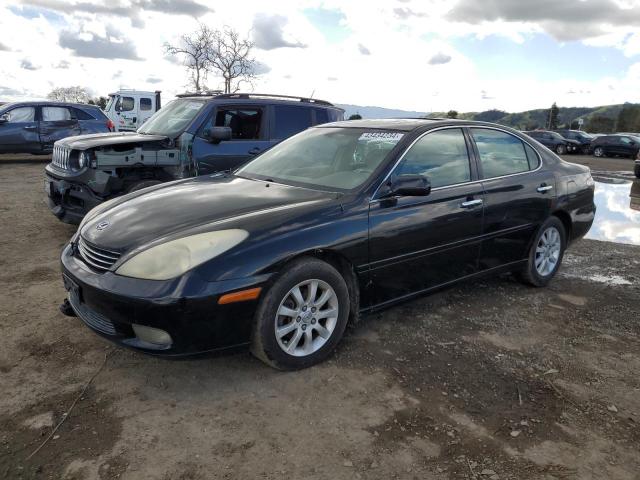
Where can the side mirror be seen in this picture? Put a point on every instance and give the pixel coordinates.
(4, 118)
(218, 134)
(409, 186)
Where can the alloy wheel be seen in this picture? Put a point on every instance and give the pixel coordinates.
(598, 152)
(306, 317)
(548, 251)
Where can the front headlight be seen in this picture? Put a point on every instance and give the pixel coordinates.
(171, 259)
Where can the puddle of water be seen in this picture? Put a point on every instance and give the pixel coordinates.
(618, 211)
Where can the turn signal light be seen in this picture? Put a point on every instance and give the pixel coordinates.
(241, 296)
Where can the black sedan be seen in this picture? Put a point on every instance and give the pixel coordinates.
(555, 142)
(339, 220)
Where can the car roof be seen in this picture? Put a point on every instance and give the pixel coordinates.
(47, 103)
(410, 124)
(259, 98)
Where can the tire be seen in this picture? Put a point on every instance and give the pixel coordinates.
(636, 170)
(298, 325)
(143, 184)
(598, 152)
(553, 252)
(561, 149)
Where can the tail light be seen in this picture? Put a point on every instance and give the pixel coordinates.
(111, 126)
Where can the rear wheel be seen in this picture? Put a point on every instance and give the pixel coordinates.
(598, 152)
(302, 317)
(561, 149)
(545, 255)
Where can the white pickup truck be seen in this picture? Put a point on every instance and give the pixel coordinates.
(129, 109)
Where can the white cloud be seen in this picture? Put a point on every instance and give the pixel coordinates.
(393, 54)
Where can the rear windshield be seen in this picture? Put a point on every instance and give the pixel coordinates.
(173, 119)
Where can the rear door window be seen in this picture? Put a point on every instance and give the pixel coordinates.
(500, 153)
(441, 156)
(145, 104)
(289, 120)
(55, 114)
(322, 116)
(22, 114)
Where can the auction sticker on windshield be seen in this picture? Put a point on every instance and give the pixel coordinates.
(381, 136)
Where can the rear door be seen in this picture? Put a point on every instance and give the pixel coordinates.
(20, 132)
(418, 243)
(146, 108)
(57, 123)
(518, 192)
(249, 130)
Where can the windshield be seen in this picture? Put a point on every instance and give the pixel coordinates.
(326, 158)
(174, 118)
(112, 98)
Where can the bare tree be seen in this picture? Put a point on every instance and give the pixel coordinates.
(231, 57)
(75, 94)
(195, 50)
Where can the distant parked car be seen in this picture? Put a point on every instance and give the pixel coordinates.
(555, 142)
(616, 145)
(636, 169)
(583, 138)
(33, 127)
(192, 135)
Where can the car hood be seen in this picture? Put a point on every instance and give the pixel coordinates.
(84, 142)
(186, 207)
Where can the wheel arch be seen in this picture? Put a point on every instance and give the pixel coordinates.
(565, 218)
(345, 268)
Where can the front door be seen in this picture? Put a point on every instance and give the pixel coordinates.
(248, 138)
(126, 114)
(518, 192)
(417, 243)
(57, 123)
(20, 132)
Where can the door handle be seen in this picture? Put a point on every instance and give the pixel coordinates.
(30, 128)
(471, 203)
(544, 188)
(254, 151)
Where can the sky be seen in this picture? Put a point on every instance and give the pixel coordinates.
(421, 55)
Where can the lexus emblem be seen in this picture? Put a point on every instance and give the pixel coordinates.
(102, 225)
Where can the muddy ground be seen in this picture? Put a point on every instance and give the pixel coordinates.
(490, 379)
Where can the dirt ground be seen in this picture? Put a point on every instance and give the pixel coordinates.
(487, 380)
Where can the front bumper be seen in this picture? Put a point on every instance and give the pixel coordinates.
(186, 308)
(69, 201)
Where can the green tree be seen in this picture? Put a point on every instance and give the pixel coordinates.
(452, 114)
(629, 119)
(600, 124)
(101, 102)
(355, 116)
(552, 122)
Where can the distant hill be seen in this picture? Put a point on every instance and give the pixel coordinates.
(379, 112)
(596, 119)
(592, 117)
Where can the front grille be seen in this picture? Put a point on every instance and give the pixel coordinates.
(96, 257)
(61, 157)
(92, 319)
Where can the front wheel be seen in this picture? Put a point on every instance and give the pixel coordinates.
(561, 149)
(545, 255)
(598, 152)
(302, 317)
